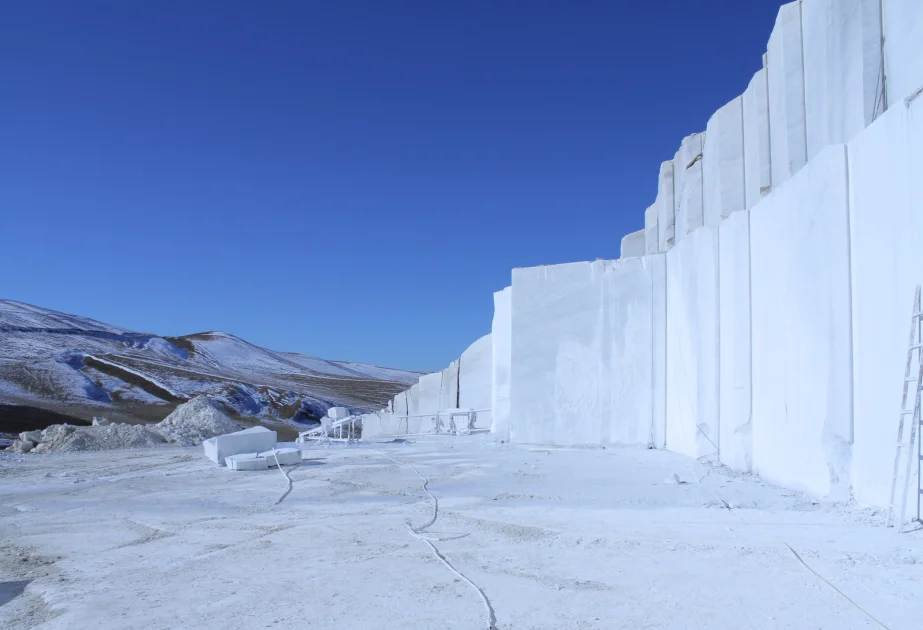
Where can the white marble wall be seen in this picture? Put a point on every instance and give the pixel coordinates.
(475, 376)
(666, 207)
(723, 164)
(757, 164)
(800, 318)
(687, 186)
(903, 32)
(886, 233)
(633, 244)
(692, 344)
(581, 353)
(658, 265)
(651, 234)
(843, 69)
(501, 332)
(785, 73)
(734, 341)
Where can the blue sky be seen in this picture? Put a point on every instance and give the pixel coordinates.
(349, 179)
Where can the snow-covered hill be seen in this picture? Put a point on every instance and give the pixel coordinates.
(82, 367)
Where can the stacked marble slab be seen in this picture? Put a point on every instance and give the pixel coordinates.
(831, 68)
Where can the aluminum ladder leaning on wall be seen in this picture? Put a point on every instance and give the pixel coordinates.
(905, 444)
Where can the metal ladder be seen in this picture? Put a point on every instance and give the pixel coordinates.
(905, 445)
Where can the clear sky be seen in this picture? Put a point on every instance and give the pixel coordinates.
(348, 179)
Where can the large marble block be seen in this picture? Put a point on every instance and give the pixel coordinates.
(687, 186)
(475, 380)
(581, 353)
(382, 425)
(902, 23)
(448, 387)
(801, 341)
(723, 164)
(843, 69)
(430, 391)
(651, 245)
(692, 344)
(658, 265)
(632, 245)
(666, 207)
(337, 413)
(886, 232)
(501, 337)
(252, 440)
(757, 164)
(734, 341)
(785, 70)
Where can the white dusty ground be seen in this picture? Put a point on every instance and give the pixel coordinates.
(161, 538)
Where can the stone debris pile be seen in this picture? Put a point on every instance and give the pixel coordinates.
(196, 421)
(190, 424)
(102, 436)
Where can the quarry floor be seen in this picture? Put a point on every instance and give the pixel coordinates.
(556, 538)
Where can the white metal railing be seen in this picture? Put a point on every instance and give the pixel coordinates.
(332, 432)
(460, 422)
(439, 428)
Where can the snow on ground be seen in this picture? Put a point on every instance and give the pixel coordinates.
(556, 538)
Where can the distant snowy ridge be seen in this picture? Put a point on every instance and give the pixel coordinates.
(76, 365)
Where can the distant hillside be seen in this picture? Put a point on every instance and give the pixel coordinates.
(80, 367)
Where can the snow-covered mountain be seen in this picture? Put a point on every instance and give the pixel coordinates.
(81, 367)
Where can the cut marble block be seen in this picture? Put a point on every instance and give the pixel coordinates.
(651, 246)
(628, 338)
(734, 341)
(757, 165)
(382, 425)
(723, 164)
(448, 387)
(665, 207)
(801, 322)
(886, 230)
(692, 345)
(843, 69)
(903, 32)
(501, 339)
(338, 413)
(581, 353)
(413, 409)
(632, 245)
(787, 135)
(413, 399)
(401, 403)
(474, 380)
(659, 350)
(246, 461)
(687, 186)
(287, 456)
(251, 440)
(430, 389)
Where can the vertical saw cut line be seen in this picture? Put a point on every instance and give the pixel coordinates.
(415, 532)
